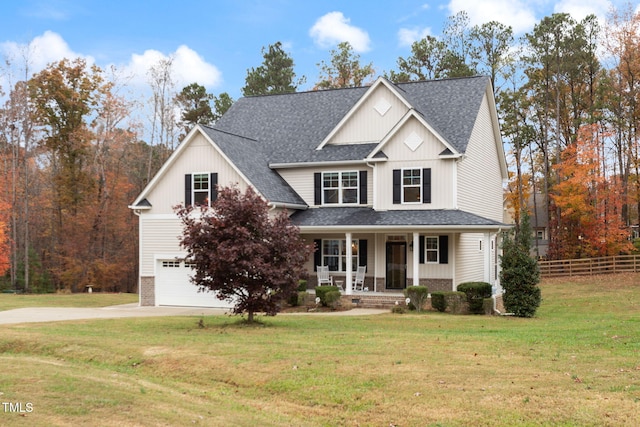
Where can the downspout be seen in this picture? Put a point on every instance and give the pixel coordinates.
(494, 295)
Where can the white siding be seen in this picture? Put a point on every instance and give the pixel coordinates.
(198, 156)
(479, 173)
(301, 180)
(157, 236)
(470, 259)
(425, 156)
(366, 124)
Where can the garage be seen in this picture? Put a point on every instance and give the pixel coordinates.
(173, 287)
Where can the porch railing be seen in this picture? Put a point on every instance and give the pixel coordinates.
(590, 266)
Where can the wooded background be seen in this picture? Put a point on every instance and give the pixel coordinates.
(73, 156)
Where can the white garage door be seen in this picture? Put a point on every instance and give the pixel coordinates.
(173, 287)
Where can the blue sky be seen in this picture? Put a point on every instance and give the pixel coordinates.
(215, 42)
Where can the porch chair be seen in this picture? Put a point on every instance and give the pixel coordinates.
(358, 283)
(323, 275)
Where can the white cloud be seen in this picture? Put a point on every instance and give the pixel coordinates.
(188, 67)
(334, 28)
(50, 47)
(407, 36)
(515, 13)
(579, 9)
(41, 51)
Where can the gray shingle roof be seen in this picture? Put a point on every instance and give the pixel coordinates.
(361, 216)
(274, 129)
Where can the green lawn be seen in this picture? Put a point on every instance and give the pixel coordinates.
(96, 299)
(576, 364)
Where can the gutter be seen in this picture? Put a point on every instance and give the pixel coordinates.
(323, 163)
(275, 205)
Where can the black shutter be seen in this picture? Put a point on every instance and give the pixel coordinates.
(421, 249)
(443, 247)
(187, 189)
(362, 252)
(363, 187)
(426, 185)
(317, 188)
(317, 255)
(213, 187)
(397, 186)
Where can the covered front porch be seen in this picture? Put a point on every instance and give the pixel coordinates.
(437, 249)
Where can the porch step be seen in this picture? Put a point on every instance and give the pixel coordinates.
(364, 300)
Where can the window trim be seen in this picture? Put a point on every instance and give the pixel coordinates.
(340, 188)
(404, 186)
(436, 250)
(341, 255)
(194, 191)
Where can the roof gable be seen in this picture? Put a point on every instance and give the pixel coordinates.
(447, 151)
(377, 111)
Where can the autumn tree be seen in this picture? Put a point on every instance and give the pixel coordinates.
(243, 254)
(344, 69)
(622, 109)
(275, 75)
(589, 202)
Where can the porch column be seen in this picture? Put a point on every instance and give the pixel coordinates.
(416, 259)
(348, 280)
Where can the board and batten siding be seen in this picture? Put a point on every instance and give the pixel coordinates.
(302, 180)
(367, 124)
(198, 156)
(157, 236)
(479, 173)
(426, 155)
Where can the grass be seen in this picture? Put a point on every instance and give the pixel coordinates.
(576, 364)
(96, 299)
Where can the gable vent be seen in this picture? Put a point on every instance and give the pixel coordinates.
(382, 106)
(413, 141)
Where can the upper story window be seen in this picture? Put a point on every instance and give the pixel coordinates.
(340, 188)
(411, 185)
(200, 188)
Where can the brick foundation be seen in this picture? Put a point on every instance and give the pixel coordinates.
(148, 291)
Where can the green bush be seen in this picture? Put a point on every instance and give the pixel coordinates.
(302, 285)
(520, 273)
(332, 299)
(322, 291)
(418, 296)
(454, 301)
(476, 292)
(438, 301)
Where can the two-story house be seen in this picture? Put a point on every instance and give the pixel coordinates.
(405, 179)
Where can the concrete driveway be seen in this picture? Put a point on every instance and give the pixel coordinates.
(53, 314)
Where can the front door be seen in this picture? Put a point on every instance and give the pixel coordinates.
(396, 277)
